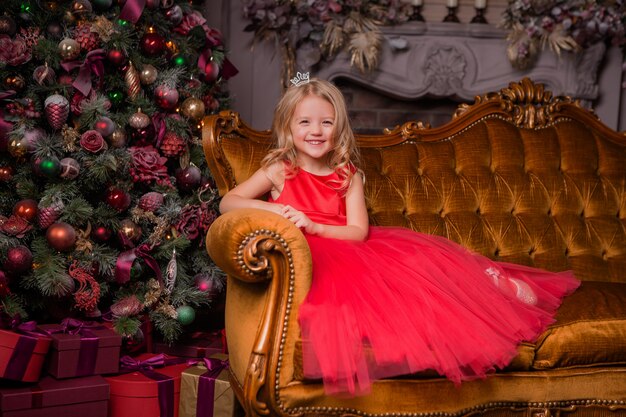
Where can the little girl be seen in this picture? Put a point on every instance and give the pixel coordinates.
(385, 301)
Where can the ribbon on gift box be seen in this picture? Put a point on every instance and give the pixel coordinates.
(25, 346)
(165, 384)
(206, 384)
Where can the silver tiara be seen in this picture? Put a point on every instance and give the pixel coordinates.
(300, 78)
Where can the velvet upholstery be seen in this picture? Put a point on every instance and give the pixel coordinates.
(519, 176)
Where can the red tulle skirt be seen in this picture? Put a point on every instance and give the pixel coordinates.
(403, 302)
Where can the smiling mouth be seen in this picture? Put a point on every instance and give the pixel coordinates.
(315, 142)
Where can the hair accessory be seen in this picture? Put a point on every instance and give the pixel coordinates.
(300, 78)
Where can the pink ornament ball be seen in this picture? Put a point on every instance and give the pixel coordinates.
(105, 126)
(70, 168)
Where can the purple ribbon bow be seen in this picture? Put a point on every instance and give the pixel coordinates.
(165, 384)
(25, 346)
(125, 261)
(92, 63)
(132, 10)
(206, 385)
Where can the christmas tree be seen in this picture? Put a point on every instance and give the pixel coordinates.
(105, 197)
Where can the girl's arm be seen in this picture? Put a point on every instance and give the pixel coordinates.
(246, 194)
(357, 223)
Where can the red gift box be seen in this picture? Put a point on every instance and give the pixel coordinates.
(82, 349)
(77, 397)
(22, 354)
(149, 385)
(194, 345)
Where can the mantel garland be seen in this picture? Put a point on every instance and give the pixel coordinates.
(306, 31)
(316, 29)
(561, 25)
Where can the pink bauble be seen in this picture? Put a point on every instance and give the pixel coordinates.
(70, 168)
(19, 259)
(105, 126)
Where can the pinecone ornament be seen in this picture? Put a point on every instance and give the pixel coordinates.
(151, 201)
(48, 215)
(172, 145)
(57, 110)
(87, 39)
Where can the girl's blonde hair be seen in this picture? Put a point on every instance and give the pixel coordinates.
(344, 154)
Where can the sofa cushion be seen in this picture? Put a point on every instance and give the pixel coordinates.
(590, 329)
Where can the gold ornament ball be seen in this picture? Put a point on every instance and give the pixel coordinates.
(148, 74)
(81, 7)
(15, 82)
(69, 49)
(139, 120)
(130, 229)
(68, 18)
(117, 139)
(18, 147)
(193, 108)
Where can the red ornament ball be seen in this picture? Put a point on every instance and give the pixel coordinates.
(26, 209)
(118, 199)
(101, 234)
(144, 136)
(6, 173)
(116, 57)
(211, 71)
(189, 178)
(152, 44)
(166, 97)
(19, 259)
(61, 236)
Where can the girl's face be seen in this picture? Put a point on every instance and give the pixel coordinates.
(312, 126)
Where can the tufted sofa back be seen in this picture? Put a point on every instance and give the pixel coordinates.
(519, 176)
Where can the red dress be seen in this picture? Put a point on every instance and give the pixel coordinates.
(401, 302)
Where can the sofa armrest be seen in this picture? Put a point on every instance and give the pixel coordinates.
(268, 263)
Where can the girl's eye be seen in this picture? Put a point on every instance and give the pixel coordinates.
(328, 122)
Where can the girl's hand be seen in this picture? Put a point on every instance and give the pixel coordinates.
(300, 219)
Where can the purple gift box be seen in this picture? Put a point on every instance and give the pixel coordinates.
(76, 397)
(81, 349)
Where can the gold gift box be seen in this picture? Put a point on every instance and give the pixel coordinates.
(223, 396)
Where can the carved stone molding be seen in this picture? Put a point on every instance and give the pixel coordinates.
(463, 61)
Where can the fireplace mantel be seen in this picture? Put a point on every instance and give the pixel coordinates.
(462, 61)
(419, 70)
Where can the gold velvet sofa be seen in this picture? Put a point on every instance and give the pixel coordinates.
(520, 176)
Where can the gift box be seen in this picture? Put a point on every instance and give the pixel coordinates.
(205, 390)
(77, 397)
(22, 353)
(81, 349)
(194, 345)
(148, 385)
